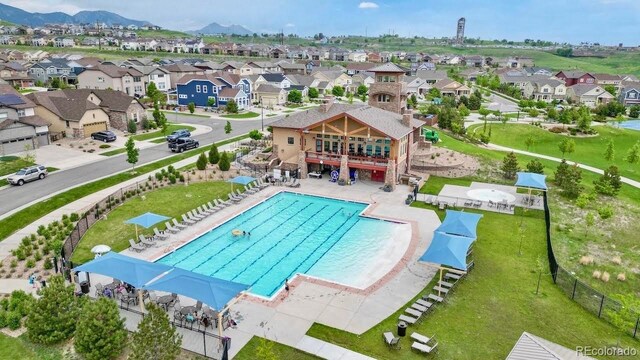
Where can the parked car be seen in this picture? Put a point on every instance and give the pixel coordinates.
(183, 144)
(31, 173)
(178, 134)
(105, 136)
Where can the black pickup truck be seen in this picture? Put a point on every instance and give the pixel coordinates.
(183, 144)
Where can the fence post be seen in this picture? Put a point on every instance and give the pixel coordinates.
(601, 304)
(573, 293)
(635, 331)
(204, 341)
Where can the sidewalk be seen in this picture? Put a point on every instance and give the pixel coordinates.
(78, 206)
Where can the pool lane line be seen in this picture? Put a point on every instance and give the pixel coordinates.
(218, 237)
(266, 251)
(339, 237)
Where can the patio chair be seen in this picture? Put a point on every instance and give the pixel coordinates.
(178, 225)
(99, 290)
(421, 338)
(198, 305)
(413, 312)
(390, 340)
(262, 184)
(250, 190)
(468, 203)
(153, 298)
(234, 198)
(159, 236)
(170, 228)
(240, 194)
(478, 204)
(294, 184)
(201, 210)
(215, 208)
(423, 348)
(191, 214)
(127, 299)
(408, 319)
(145, 241)
(136, 247)
(186, 220)
(428, 200)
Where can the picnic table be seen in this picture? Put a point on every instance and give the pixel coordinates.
(164, 301)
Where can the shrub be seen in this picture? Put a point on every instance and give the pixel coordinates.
(172, 179)
(596, 274)
(616, 260)
(621, 277)
(586, 260)
(214, 156)
(103, 339)
(605, 276)
(74, 217)
(20, 254)
(557, 130)
(19, 302)
(31, 263)
(181, 178)
(201, 163)
(605, 212)
(224, 164)
(37, 256)
(14, 264)
(13, 320)
(3, 319)
(26, 241)
(132, 127)
(48, 263)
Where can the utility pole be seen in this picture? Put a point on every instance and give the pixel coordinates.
(99, 36)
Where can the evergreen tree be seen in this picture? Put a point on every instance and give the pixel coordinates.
(610, 153)
(132, 128)
(567, 146)
(568, 178)
(153, 93)
(510, 166)
(634, 111)
(535, 166)
(214, 156)
(609, 183)
(224, 164)
(227, 127)
(313, 93)
(201, 163)
(561, 172)
(132, 152)
(633, 156)
(52, 318)
(156, 338)
(192, 107)
(100, 332)
(232, 107)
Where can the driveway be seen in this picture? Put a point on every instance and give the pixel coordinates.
(499, 103)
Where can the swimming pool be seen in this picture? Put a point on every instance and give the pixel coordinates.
(630, 124)
(289, 234)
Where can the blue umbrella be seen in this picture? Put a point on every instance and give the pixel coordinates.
(531, 181)
(146, 220)
(460, 223)
(449, 250)
(242, 180)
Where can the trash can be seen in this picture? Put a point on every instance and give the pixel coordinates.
(402, 328)
(84, 287)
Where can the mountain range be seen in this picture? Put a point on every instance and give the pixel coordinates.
(22, 17)
(215, 28)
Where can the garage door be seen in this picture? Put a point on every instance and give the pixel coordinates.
(15, 146)
(94, 127)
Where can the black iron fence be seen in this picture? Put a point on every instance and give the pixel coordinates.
(594, 301)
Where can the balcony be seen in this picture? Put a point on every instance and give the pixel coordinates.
(374, 162)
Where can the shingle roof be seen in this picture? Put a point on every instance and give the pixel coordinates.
(581, 89)
(388, 67)
(431, 74)
(290, 66)
(360, 66)
(186, 78)
(115, 71)
(273, 77)
(606, 77)
(111, 99)
(305, 80)
(181, 68)
(8, 89)
(531, 347)
(266, 88)
(229, 92)
(34, 120)
(67, 108)
(573, 74)
(387, 122)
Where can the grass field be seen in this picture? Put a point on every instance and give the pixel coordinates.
(21, 349)
(279, 351)
(171, 201)
(247, 115)
(184, 113)
(158, 134)
(114, 152)
(589, 151)
(494, 304)
(11, 164)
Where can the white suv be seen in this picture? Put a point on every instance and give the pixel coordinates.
(31, 173)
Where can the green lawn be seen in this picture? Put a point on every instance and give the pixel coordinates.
(247, 115)
(170, 201)
(114, 152)
(26, 216)
(589, 150)
(11, 164)
(157, 134)
(159, 140)
(288, 111)
(270, 115)
(490, 309)
(21, 349)
(280, 351)
(434, 184)
(184, 113)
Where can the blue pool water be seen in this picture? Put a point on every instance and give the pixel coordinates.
(290, 234)
(630, 124)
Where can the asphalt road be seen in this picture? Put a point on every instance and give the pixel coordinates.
(13, 197)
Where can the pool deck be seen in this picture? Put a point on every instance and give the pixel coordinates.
(287, 317)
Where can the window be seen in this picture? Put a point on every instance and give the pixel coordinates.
(161, 86)
(632, 95)
(127, 80)
(197, 88)
(67, 123)
(138, 88)
(204, 89)
(100, 79)
(21, 112)
(160, 75)
(182, 96)
(136, 79)
(290, 140)
(94, 115)
(384, 98)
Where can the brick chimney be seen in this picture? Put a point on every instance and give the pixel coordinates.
(406, 117)
(326, 103)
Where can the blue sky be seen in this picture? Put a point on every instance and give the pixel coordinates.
(604, 21)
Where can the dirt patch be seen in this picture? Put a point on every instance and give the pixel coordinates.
(444, 162)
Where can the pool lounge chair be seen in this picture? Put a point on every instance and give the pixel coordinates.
(170, 228)
(294, 184)
(413, 312)
(179, 225)
(136, 247)
(159, 235)
(221, 203)
(240, 194)
(193, 216)
(408, 319)
(250, 189)
(145, 241)
(390, 340)
(421, 338)
(262, 184)
(423, 348)
(186, 220)
(202, 210)
(215, 208)
(234, 198)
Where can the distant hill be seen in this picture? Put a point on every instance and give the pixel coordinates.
(19, 16)
(215, 28)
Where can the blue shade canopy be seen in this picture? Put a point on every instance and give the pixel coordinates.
(460, 223)
(243, 180)
(531, 180)
(211, 291)
(448, 250)
(131, 270)
(147, 220)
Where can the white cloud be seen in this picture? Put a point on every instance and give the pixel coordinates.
(368, 5)
(290, 25)
(45, 7)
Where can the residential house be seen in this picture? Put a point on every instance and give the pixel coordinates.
(63, 42)
(39, 41)
(15, 74)
(278, 80)
(472, 74)
(538, 71)
(374, 57)
(269, 95)
(356, 68)
(338, 78)
(365, 78)
(548, 90)
(128, 80)
(262, 67)
(20, 127)
(416, 85)
(288, 68)
(52, 68)
(475, 61)
(155, 74)
(194, 46)
(572, 77)
(590, 95)
(212, 90)
(277, 53)
(71, 117)
(357, 56)
(431, 76)
(178, 71)
(607, 79)
(630, 93)
(452, 88)
(415, 67)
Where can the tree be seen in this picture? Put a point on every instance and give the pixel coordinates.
(529, 141)
(232, 107)
(609, 183)
(211, 102)
(224, 164)
(568, 178)
(295, 96)
(156, 338)
(132, 152)
(552, 113)
(153, 93)
(227, 127)
(434, 93)
(610, 89)
(535, 166)
(100, 332)
(510, 166)
(534, 113)
(475, 102)
(192, 107)
(350, 97)
(633, 155)
(484, 112)
(464, 112)
(55, 83)
(610, 153)
(362, 90)
(634, 111)
(567, 146)
(313, 93)
(132, 127)
(589, 221)
(255, 135)
(337, 91)
(52, 317)
(214, 156)
(201, 163)
(414, 101)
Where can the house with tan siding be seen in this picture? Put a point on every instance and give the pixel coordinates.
(103, 77)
